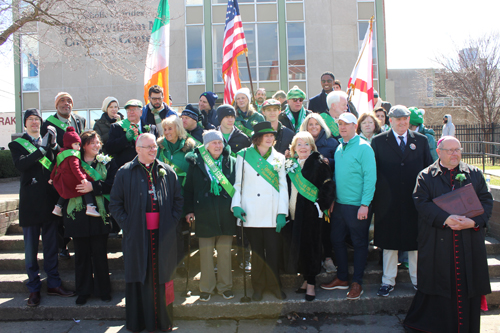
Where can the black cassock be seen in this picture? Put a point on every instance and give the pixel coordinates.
(150, 305)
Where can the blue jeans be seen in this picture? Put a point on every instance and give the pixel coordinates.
(50, 259)
(345, 221)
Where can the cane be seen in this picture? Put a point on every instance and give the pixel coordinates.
(187, 292)
(244, 299)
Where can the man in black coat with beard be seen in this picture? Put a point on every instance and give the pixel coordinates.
(452, 261)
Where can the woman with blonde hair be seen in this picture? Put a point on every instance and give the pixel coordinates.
(368, 126)
(326, 144)
(246, 115)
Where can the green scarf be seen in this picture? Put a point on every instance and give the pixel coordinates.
(166, 155)
(302, 116)
(215, 188)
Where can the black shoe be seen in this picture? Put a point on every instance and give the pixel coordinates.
(280, 294)
(106, 298)
(205, 297)
(64, 254)
(81, 299)
(310, 298)
(34, 299)
(300, 291)
(257, 296)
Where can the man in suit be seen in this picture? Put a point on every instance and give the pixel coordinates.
(400, 155)
(318, 103)
(123, 134)
(34, 156)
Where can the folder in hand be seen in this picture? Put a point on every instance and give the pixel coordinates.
(463, 202)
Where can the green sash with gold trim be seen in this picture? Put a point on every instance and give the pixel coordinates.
(263, 167)
(47, 164)
(67, 153)
(307, 189)
(216, 171)
(58, 123)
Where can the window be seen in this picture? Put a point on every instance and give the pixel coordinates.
(29, 64)
(296, 51)
(195, 59)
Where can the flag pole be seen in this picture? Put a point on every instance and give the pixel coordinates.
(250, 76)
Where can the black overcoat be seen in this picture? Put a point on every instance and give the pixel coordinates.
(284, 139)
(318, 104)
(238, 140)
(128, 208)
(80, 127)
(36, 196)
(396, 220)
(435, 243)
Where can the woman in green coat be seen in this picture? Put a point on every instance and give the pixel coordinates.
(246, 115)
(207, 200)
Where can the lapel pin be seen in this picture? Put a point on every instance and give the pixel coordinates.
(412, 146)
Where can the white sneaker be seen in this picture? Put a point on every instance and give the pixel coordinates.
(57, 210)
(91, 211)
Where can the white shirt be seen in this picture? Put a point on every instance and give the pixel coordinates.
(397, 137)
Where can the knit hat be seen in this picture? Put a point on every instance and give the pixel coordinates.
(416, 116)
(31, 112)
(70, 137)
(295, 92)
(108, 100)
(211, 135)
(133, 102)
(375, 94)
(225, 110)
(398, 111)
(211, 98)
(262, 128)
(244, 91)
(192, 112)
(61, 95)
(271, 102)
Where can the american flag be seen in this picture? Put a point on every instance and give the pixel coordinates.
(234, 45)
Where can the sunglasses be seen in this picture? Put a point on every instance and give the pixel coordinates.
(295, 100)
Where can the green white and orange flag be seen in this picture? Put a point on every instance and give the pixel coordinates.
(156, 71)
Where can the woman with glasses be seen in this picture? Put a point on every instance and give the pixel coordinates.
(246, 115)
(295, 113)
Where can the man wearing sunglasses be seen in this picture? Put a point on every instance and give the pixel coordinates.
(295, 113)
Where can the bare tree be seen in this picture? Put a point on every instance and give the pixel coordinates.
(472, 76)
(114, 33)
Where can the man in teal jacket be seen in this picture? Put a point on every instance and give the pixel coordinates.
(355, 175)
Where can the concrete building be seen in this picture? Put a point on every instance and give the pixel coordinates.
(291, 42)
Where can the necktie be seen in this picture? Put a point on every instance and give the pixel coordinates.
(402, 143)
(36, 143)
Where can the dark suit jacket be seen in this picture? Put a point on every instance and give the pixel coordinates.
(318, 103)
(80, 127)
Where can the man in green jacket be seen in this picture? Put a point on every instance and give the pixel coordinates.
(355, 176)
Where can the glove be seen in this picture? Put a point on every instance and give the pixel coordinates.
(280, 222)
(130, 134)
(238, 212)
(45, 141)
(53, 135)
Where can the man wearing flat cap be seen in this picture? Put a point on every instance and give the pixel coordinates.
(191, 118)
(156, 110)
(123, 134)
(271, 109)
(295, 113)
(400, 155)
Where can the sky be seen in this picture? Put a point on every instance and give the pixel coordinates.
(416, 31)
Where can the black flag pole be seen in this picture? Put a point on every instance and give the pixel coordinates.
(250, 76)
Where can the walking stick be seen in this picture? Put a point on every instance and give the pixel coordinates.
(187, 293)
(244, 299)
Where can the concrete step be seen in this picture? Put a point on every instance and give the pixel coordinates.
(14, 228)
(15, 242)
(492, 245)
(13, 306)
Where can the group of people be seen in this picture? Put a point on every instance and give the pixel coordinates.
(292, 184)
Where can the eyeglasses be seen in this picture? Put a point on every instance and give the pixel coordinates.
(295, 100)
(156, 98)
(149, 147)
(451, 151)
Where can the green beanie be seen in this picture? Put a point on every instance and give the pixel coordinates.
(416, 116)
(295, 92)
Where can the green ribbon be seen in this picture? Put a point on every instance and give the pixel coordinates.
(58, 123)
(126, 125)
(302, 116)
(217, 172)
(99, 174)
(330, 123)
(263, 167)
(307, 189)
(67, 153)
(47, 164)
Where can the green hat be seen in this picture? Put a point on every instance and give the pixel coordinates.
(133, 102)
(295, 92)
(416, 116)
(262, 128)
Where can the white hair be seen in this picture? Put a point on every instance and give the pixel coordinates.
(334, 97)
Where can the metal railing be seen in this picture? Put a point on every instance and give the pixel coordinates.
(486, 153)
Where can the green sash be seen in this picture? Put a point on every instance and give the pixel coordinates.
(330, 123)
(263, 167)
(216, 171)
(58, 123)
(239, 124)
(307, 189)
(198, 143)
(66, 153)
(99, 174)
(47, 164)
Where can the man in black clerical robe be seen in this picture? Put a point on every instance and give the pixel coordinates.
(452, 268)
(146, 202)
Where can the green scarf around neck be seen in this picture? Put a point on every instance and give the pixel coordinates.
(302, 116)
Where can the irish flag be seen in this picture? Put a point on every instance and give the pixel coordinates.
(156, 71)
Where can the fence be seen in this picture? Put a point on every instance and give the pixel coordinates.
(479, 143)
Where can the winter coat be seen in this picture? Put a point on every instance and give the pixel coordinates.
(284, 139)
(197, 133)
(327, 147)
(128, 208)
(102, 126)
(305, 246)
(176, 157)
(36, 196)
(318, 104)
(355, 172)
(123, 150)
(285, 121)
(84, 225)
(148, 117)
(259, 199)
(67, 175)
(210, 120)
(213, 213)
(79, 128)
(249, 122)
(429, 134)
(395, 214)
(435, 242)
(237, 140)
(449, 127)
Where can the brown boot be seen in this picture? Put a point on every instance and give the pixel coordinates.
(355, 292)
(335, 284)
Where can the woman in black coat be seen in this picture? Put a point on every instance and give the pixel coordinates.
(109, 116)
(307, 216)
(90, 234)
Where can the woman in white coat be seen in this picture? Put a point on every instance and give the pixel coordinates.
(261, 202)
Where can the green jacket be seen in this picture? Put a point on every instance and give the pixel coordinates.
(248, 122)
(213, 213)
(429, 134)
(176, 159)
(355, 172)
